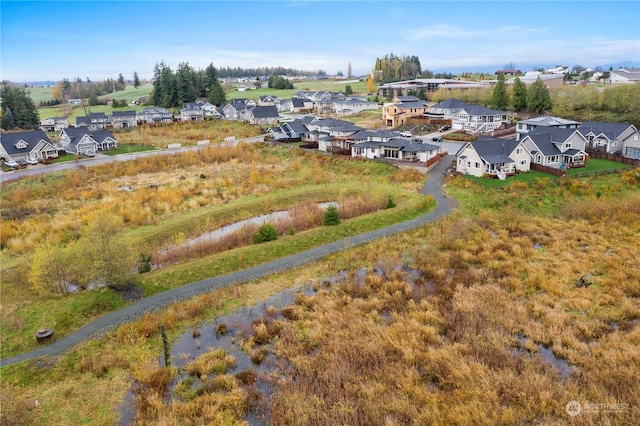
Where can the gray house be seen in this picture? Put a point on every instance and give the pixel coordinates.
(124, 119)
(25, 145)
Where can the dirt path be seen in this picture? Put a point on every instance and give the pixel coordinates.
(131, 312)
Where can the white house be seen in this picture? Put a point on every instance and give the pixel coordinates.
(477, 119)
(493, 157)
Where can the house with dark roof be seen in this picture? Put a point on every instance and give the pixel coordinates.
(268, 100)
(54, 124)
(493, 157)
(351, 106)
(25, 145)
(446, 109)
(612, 137)
(191, 111)
(80, 140)
(557, 148)
(94, 121)
(395, 148)
(123, 119)
(525, 126)
(152, 115)
(477, 119)
(262, 115)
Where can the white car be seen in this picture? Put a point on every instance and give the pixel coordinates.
(32, 161)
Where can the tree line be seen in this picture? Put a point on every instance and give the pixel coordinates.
(172, 89)
(394, 68)
(238, 72)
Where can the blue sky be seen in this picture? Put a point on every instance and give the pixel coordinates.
(48, 40)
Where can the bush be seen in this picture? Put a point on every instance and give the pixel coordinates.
(331, 216)
(265, 233)
(390, 202)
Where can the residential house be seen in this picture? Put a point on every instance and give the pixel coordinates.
(508, 72)
(209, 109)
(296, 129)
(446, 109)
(493, 157)
(54, 124)
(80, 140)
(153, 115)
(124, 119)
(525, 126)
(612, 137)
(25, 145)
(191, 111)
(624, 76)
(268, 100)
(395, 148)
(477, 119)
(237, 109)
(557, 148)
(105, 140)
(351, 106)
(262, 115)
(396, 114)
(94, 121)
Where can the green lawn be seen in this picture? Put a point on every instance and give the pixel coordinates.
(595, 165)
(127, 149)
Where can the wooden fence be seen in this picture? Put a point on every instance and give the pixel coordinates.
(549, 170)
(601, 155)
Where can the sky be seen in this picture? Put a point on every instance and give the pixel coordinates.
(49, 40)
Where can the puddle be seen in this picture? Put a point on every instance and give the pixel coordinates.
(548, 357)
(238, 324)
(218, 234)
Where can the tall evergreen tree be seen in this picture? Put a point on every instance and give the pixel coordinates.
(121, 83)
(500, 97)
(519, 95)
(538, 97)
(19, 109)
(185, 84)
(136, 80)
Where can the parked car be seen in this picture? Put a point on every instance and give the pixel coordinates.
(437, 139)
(405, 134)
(444, 128)
(88, 154)
(32, 161)
(22, 163)
(12, 164)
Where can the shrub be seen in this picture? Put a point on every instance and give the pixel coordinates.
(331, 216)
(266, 232)
(390, 202)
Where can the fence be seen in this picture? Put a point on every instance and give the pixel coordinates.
(549, 170)
(174, 145)
(601, 155)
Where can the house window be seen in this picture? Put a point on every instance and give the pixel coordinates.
(476, 165)
(553, 159)
(635, 137)
(518, 150)
(523, 162)
(567, 145)
(468, 163)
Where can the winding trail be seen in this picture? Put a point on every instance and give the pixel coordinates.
(157, 301)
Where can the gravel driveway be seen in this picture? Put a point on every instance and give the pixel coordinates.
(131, 312)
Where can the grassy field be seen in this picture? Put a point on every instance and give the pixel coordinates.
(524, 299)
(192, 193)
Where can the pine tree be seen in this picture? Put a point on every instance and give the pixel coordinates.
(500, 97)
(519, 95)
(121, 83)
(136, 80)
(538, 97)
(348, 90)
(331, 216)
